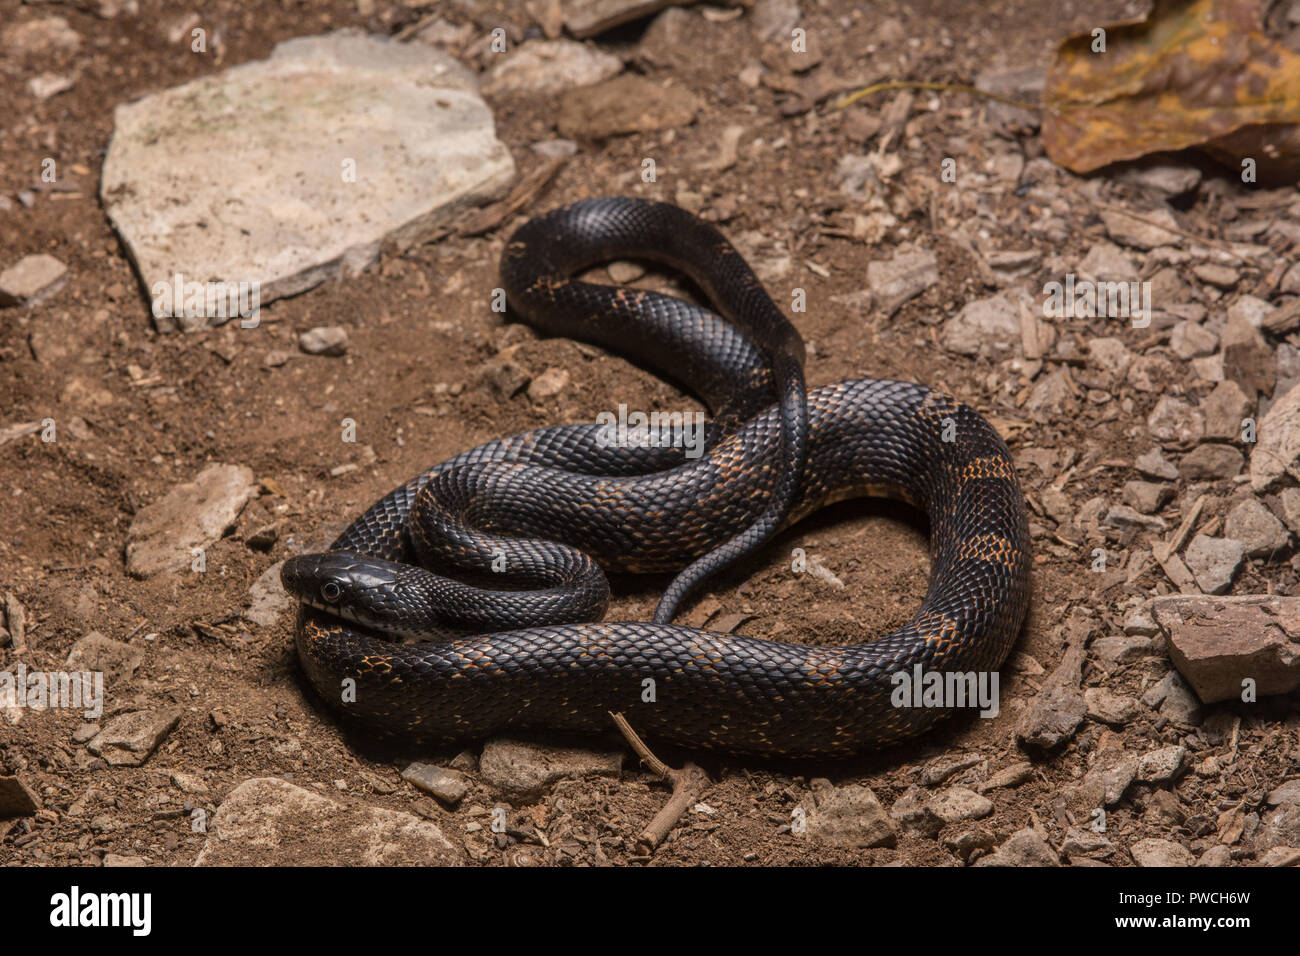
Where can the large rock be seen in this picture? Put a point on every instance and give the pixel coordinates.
(296, 168)
(1217, 642)
(164, 534)
(268, 822)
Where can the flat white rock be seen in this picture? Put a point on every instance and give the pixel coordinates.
(289, 171)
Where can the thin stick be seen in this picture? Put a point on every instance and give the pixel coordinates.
(687, 785)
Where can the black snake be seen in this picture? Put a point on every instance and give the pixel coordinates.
(506, 544)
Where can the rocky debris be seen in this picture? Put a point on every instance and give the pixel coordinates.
(1106, 781)
(625, 104)
(267, 599)
(1189, 340)
(1214, 562)
(909, 273)
(31, 280)
(542, 68)
(164, 534)
(1256, 528)
(40, 37)
(1153, 465)
(1211, 463)
(1175, 699)
(1106, 262)
(393, 174)
(17, 799)
(1009, 777)
(528, 769)
(1110, 355)
(1277, 449)
(1145, 233)
(958, 804)
(1023, 848)
(986, 327)
(129, 739)
(937, 771)
(850, 817)
(1109, 707)
(587, 18)
(1280, 827)
(1085, 844)
(449, 786)
(1175, 422)
(1247, 359)
(324, 340)
(1155, 852)
(548, 384)
(1226, 408)
(1058, 710)
(1217, 643)
(279, 824)
(1146, 497)
(1157, 766)
(117, 661)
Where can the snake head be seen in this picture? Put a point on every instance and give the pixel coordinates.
(355, 587)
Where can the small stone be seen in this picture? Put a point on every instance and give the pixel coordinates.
(550, 383)
(622, 105)
(1160, 765)
(1111, 356)
(1290, 499)
(1226, 408)
(449, 786)
(909, 273)
(1257, 528)
(32, 280)
(1146, 497)
(1175, 422)
(1189, 340)
(1221, 277)
(1011, 776)
(525, 769)
(1155, 852)
(1247, 359)
(1121, 650)
(987, 327)
(17, 799)
(165, 535)
(543, 68)
(1079, 842)
(130, 739)
(1106, 262)
(504, 376)
(1216, 856)
(1108, 707)
(849, 817)
(1023, 848)
(1141, 233)
(1154, 465)
(1138, 621)
(958, 804)
(267, 597)
(1124, 517)
(1175, 699)
(937, 771)
(1277, 451)
(1211, 462)
(1214, 562)
(324, 340)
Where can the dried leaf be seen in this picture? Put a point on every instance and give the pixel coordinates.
(1196, 73)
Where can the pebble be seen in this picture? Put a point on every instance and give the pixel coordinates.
(324, 340)
(1140, 233)
(31, 280)
(1214, 562)
(1108, 707)
(1106, 262)
(1154, 465)
(542, 68)
(1156, 852)
(1211, 462)
(622, 105)
(129, 739)
(849, 817)
(1221, 277)
(1147, 497)
(193, 515)
(449, 786)
(1023, 848)
(528, 769)
(1257, 528)
(988, 327)
(548, 384)
(1189, 340)
(958, 804)
(1277, 451)
(909, 273)
(1173, 421)
(1160, 765)
(267, 599)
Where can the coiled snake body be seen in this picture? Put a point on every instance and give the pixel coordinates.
(508, 542)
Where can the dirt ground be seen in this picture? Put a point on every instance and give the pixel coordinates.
(155, 409)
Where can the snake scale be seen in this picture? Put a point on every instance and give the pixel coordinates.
(494, 561)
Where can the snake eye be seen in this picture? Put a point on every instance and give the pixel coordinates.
(330, 591)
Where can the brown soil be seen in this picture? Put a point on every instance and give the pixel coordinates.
(159, 407)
